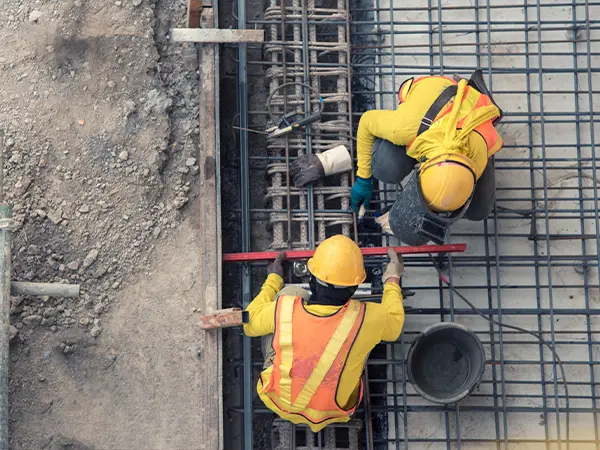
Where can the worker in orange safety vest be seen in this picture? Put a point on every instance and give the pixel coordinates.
(316, 343)
(446, 128)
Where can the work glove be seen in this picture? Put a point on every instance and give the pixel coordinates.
(309, 168)
(384, 223)
(394, 268)
(277, 265)
(362, 191)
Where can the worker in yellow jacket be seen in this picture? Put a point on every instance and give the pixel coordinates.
(447, 126)
(317, 343)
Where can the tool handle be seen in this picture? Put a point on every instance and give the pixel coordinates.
(307, 120)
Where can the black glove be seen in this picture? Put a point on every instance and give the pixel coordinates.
(306, 169)
(277, 265)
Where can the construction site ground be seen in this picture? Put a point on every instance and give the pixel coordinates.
(100, 112)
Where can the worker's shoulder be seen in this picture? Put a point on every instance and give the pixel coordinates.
(430, 84)
(434, 80)
(374, 314)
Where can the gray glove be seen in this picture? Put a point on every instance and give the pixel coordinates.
(309, 168)
(395, 267)
(306, 169)
(277, 265)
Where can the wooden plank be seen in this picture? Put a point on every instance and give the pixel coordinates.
(223, 318)
(194, 13)
(217, 36)
(209, 287)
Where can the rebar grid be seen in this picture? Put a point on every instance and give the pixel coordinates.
(534, 263)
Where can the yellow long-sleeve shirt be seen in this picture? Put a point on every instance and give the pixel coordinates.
(382, 322)
(400, 126)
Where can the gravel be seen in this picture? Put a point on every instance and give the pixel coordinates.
(32, 320)
(93, 190)
(90, 259)
(35, 15)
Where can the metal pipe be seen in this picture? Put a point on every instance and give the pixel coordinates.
(49, 289)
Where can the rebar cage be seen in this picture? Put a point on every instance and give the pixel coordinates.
(533, 263)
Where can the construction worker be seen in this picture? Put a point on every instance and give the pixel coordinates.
(316, 343)
(447, 126)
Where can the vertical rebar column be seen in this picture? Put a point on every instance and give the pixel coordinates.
(307, 108)
(245, 220)
(276, 177)
(590, 90)
(315, 84)
(343, 90)
(304, 238)
(548, 249)
(5, 274)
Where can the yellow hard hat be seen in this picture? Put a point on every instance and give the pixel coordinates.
(447, 182)
(339, 261)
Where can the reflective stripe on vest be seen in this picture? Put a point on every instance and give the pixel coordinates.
(310, 354)
(473, 100)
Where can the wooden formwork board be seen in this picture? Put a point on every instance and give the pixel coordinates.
(217, 36)
(211, 433)
(194, 13)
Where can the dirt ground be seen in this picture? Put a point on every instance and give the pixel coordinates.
(100, 114)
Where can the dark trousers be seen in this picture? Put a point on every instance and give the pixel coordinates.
(391, 164)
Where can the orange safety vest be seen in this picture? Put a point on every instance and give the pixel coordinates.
(310, 354)
(473, 99)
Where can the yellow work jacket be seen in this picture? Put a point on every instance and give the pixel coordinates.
(400, 126)
(382, 322)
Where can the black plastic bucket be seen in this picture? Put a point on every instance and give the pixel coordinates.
(446, 362)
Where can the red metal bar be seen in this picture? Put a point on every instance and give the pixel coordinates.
(366, 251)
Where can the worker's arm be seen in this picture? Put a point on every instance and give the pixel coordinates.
(394, 311)
(262, 309)
(385, 124)
(391, 301)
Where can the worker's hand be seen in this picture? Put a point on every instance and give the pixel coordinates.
(309, 168)
(306, 169)
(394, 269)
(277, 265)
(362, 191)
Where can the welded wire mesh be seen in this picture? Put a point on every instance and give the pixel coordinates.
(534, 262)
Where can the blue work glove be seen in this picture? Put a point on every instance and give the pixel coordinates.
(362, 191)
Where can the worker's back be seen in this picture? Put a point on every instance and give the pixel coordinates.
(316, 343)
(401, 126)
(320, 352)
